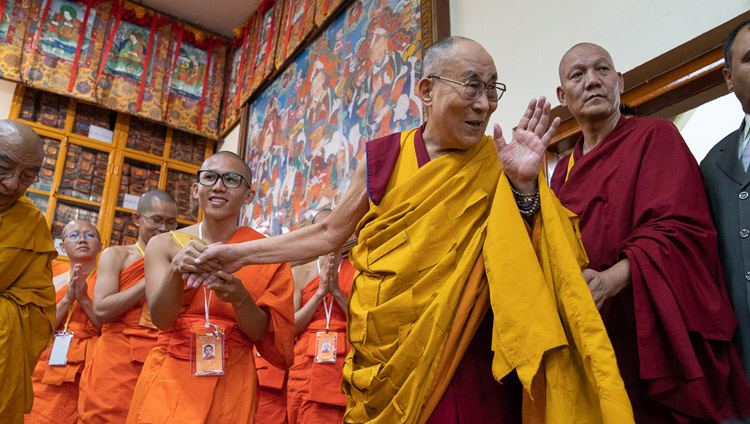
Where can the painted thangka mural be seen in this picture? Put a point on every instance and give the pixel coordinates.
(308, 130)
(14, 22)
(62, 55)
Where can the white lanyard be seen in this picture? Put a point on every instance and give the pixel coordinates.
(206, 299)
(327, 308)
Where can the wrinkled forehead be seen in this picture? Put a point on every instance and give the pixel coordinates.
(468, 60)
(20, 153)
(583, 55)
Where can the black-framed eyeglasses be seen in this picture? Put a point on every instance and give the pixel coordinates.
(25, 179)
(158, 221)
(230, 179)
(76, 236)
(474, 88)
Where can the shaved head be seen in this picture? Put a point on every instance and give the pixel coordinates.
(245, 170)
(80, 249)
(145, 203)
(435, 55)
(574, 51)
(79, 223)
(21, 154)
(14, 132)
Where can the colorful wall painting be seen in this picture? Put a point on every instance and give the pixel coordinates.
(14, 23)
(308, 129)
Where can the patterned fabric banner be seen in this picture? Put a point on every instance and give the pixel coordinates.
(14, 23)
(196, 82)
(233, 88)
(298, 21)
(266, 30)
(133, 77)
(308, 129)
(63, 46)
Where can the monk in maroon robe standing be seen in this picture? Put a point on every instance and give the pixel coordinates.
(654, 270)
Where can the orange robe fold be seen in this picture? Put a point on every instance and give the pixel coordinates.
(59, 267)
(272, 392)
(314, 393)
(56, 387)
(27, 303)
(108, 381)
(167, 392)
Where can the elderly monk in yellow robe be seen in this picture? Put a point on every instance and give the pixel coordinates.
(27, 296)
(447, 274)
(56, 384)
(108, 381)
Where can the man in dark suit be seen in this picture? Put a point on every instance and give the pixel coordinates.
(728, 188)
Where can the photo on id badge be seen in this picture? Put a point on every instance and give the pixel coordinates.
(207, 353)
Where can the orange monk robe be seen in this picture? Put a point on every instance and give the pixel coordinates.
(272, 392)
(167, 391)
(108, 381)
(59, 267)
(27, 303)
(315, 395)
(56, 387)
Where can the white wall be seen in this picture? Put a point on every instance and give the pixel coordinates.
(7, 89)
(527, 39)
(231, 142)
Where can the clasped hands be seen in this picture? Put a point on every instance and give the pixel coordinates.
(227, 287)
(77, 286)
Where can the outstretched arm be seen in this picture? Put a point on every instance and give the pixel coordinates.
(307, 242)
(522, 156)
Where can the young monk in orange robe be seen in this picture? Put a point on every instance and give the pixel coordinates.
(315, 388)
(254, 305)
(108, 381)
(56, 386)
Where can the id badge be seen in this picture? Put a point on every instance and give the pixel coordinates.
(207, 352)
(325, 347)
(59, 353)
(145, 319)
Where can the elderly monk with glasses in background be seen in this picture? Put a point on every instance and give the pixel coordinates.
(27, 296)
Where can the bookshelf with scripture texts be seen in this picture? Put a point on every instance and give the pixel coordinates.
(98, 162)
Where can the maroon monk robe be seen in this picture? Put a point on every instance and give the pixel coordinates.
(473, 395)
(639, 195)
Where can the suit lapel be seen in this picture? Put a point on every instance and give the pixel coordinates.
(729, 161)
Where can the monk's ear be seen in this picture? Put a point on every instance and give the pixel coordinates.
(561, 96)
(728, 78)
(194, 190)
(136, 218)
(621, 82)
(250, 196)
(424, 91)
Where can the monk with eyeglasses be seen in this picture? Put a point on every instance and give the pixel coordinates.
(58, 374)
(27, 296)
(468, 282)
(128, 334)
(251, 307)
